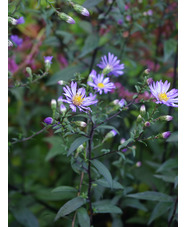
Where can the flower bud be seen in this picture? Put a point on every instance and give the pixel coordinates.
(48, 120)
(165, 135)
(60, 100)
(139, 119)
(29, 71)
(116, 101)
(109, 135)
(12, 20)
(143, 110)
(147, 71)
(149, 81)
(53, 104)
(80, 148)
(122, 140)
(107, 69)
(81, 123)
(60, 82)
(66, 18)
(138, 164)
(147, 124)
(48, 62)
(166, 118)
(81, 10)
(121, 103)
(10, 44)
(62, 108)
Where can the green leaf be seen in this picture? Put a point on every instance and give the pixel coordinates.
(48, 195)
(158, 211)
(169, 164)
(83, 217)
(104, 183)
(121, 5)
(86, 26)
(170, 46)
(135, 204)
(125, 143)
(107, 127)
(64, 189)
(106, 208)
(76, 144)
(90, 4)
(67, 37)
(153, 196)
(176, 182)
(102, 169)
(170, 179)
(90, 44)
(25, 217)
(69, 207)
(173, 137)
(57, 147)
(65, 74)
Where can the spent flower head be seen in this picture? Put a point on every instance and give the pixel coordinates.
(159, 91)
(101, 84)
(111, 65)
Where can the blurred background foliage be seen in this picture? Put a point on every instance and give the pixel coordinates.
(143, 34)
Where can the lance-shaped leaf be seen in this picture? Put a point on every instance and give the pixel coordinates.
(69, 207)
(77, 142)
(153, 196)
(102, 169)
(83, 217)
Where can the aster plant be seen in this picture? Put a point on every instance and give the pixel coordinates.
(109, 123)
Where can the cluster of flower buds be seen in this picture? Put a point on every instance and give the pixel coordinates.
(109, 135)
(122, 141)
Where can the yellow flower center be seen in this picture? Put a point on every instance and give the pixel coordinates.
(163, 96)
(77, 100)
(100, 85)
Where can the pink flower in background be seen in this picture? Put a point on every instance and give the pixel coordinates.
(62, 60)
(12, 66)
(126, 94)
(126, 7)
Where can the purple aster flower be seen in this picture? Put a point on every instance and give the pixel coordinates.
(48, 59)
(20, 20)
(159, 91)
(18, 41)
(48, 120)
(101, 84)
(77, 98)
(138, 164)
(111, 66)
